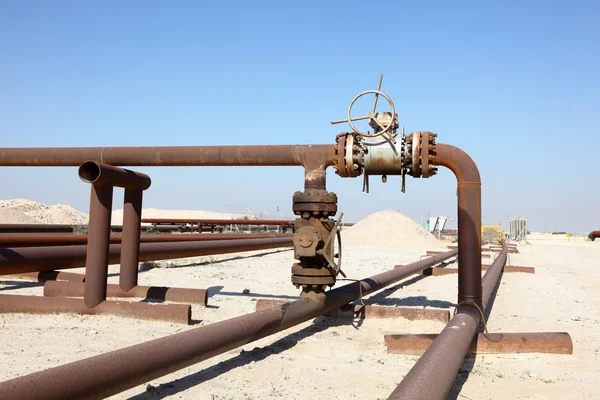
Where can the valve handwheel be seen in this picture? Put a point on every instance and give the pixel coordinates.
(372, 116)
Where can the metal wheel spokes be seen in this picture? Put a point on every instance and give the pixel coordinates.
(372, 116)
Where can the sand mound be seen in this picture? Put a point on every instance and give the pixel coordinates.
(389, 229)
(23, 211)
(117, 215)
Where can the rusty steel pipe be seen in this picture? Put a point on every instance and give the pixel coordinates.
(76, 289)
(96, 264)
(60, 239)
(488, 343)
(104, 174)
(314, 158)
(469, 220)
(11, 303)
(593, 235)
(23, 228)
(130, 242)
(443, 358)
(35, 259)
(106, 374)
(278, 222)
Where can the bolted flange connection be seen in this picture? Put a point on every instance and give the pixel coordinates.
(312, 244)
(348, 161)
(418, 154)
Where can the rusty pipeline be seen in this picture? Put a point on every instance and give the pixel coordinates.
(469, 220)
(593, 235)
(60, 239)
(106, 374)
(35, 259)
(314, 158)
(201, 221)
(444, 357)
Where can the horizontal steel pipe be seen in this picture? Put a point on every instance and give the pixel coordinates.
(106, 374)
(593, 235)
(273, 222)
(33, 259)
(448, 271)
(60, 239)
(489, 343)
(183, 295)
(444, 357)
(437, 252)
(21, 228)
(45, 276)
(10, 303)
(363, 311)
(103, 174)
(282, 155)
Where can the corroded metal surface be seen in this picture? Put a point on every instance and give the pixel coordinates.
(448, 271)
(180, 313)
(61, 239)
(45, 276)
(182, 295)
(444, 357)
(106, 374)
(355, 311)
(35, 259)
(489, 343)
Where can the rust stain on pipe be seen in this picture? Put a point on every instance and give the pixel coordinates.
(10, 303)
(106, 374)
(490, 343)
(182, 295)
(35, 259)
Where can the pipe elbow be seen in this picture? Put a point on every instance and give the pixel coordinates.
(459, 162)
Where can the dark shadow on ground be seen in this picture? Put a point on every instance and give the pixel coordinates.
(19, 284)
(245, 357)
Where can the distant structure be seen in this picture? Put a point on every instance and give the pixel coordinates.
(437, 224)
(518, 228)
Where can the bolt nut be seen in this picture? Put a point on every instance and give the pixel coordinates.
(355, 166)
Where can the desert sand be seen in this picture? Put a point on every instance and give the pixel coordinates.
(338, 358)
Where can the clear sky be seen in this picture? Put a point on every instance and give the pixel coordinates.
(514, 84)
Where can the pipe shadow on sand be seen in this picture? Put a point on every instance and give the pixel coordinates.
(164, 390)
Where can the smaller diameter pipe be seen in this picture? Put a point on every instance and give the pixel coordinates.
(96, 264)
(442, 360)
(130, 245)
(35, 259)
(103, 174)
(106, 374)
(593, 235)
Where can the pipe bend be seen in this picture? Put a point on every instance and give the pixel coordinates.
(469, 220)
(459, 162)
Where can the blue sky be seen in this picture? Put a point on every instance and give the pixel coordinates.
(514, 84)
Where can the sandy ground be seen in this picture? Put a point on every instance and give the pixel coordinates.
(335, 358)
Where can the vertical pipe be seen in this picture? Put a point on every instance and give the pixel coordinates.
(469, 220)
(96, 262)
(130, 242)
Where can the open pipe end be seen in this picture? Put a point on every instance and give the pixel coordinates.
(90, 171)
